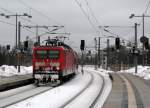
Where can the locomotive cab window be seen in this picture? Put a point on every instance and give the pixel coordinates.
(53, 54)
(41, 54)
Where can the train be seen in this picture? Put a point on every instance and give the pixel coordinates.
(53, 62)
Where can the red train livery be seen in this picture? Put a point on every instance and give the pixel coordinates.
(53, 62)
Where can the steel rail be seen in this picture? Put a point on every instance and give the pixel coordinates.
(100, 92)
(85, 88)
(15, 102)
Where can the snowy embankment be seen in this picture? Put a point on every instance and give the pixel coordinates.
(142, 71)
(7, 71)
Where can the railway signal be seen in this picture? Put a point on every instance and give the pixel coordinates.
(25, 45)
(8, 47)
(117, 43)
(143, 39)
(82, 44)
(146, 44)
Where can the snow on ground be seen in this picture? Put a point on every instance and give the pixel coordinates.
(7, 71)
(143, 71)
(107, 87)
(57, 96)
(85, 99)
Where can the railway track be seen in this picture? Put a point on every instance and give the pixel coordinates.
(100, 92)
(13, 97)
(86, 90)
(80, 92)
(8, 98)
(89, 90)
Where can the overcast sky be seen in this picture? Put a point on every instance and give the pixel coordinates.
(69, 14)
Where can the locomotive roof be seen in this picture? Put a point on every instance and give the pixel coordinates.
(47, 46)
(62, 45)
(55, 43)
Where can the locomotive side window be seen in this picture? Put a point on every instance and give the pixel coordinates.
(41, 54)
(53, 54)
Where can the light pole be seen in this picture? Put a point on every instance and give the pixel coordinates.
(135, 55)
(143, 17)
(17, 33)
(99, 39)
(95, 53)
(16, 16)
(107, 54)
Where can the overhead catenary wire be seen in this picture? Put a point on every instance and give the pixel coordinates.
(116, 35)
(7, 23)
(6, 10)
(125, 32)
(97, 21)
(11, 24)
(92, 13)
(117, 26)
(147, 7)
(28, 30)
(103, 28)
(39, 12)
(10, 12)
(87, 16)
(145, 11)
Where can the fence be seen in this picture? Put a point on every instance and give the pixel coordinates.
(11, 59)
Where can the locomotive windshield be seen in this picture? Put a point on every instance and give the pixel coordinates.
(53, 54)
(44, 54)
(41, 54)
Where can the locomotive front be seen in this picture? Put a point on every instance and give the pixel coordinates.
(47, 64)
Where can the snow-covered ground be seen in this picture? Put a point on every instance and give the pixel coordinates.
(142, 71)
(107, 87)
(56, 97)
(7, 71)
(59, 95)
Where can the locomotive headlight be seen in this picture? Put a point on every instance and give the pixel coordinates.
(39, 63)
(57, 64)
(57, 68)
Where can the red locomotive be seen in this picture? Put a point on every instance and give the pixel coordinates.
(55, 61)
